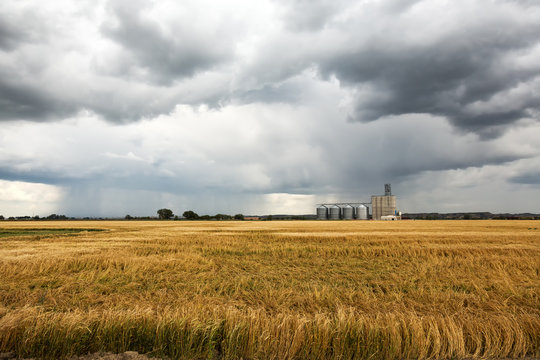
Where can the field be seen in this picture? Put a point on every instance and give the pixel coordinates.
(271, 290)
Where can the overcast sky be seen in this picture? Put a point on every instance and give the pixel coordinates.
(111, 107)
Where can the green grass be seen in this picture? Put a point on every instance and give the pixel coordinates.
(13, 232)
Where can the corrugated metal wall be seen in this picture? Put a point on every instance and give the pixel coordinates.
(383, 205)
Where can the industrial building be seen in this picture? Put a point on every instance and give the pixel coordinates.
(383, 207)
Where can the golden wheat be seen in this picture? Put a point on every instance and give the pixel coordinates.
(272, 290)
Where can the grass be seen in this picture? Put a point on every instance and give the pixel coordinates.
(273, 290)
(41, 232)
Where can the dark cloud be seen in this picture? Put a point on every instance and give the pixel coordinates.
(57, 62)
(400, 169)
(35, 176)
(20, 27)
(19, 101)
(10, 35)
(528, 178)
(124, 175)
(472, 62)
(163, 53)
(400, 149)
(448, 76)
(27, 99)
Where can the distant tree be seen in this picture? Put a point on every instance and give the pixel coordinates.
(467, 217)
(128, 217)
(56, 217)
(205, 217)
(165, 214)
(238, 217)
(190, 215)
(223, 217)
(1, 217)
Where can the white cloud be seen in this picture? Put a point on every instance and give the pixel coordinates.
(283, 203)
(19, 198)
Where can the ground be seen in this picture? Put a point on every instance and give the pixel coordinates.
(287, 289)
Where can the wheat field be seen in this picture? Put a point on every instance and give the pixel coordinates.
(271, 290)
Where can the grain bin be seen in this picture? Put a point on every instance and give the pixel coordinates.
(322, 213)
(347, 212)
(362, 212)
(334, 212)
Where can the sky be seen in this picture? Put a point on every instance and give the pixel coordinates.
(115, 107)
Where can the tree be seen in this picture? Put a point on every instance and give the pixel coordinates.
(190, 215)
(238, 217)
(165, 214)
(223, 217)
(128, 217)
(1, 217)
(56, 217)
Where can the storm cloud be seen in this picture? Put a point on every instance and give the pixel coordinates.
(472, 62)
(252, 103)
(164, 54)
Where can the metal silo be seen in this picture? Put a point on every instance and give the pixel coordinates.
(348, 212)
(322, 213)
(334, 212)
(361, 212)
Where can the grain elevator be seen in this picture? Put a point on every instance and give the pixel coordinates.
(383, 207)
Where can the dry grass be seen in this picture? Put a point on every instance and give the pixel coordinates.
(272, 290)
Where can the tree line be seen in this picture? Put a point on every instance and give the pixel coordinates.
(167, 214)
(163, 214)
(36, 217)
